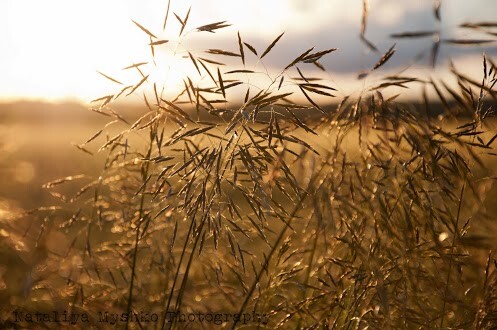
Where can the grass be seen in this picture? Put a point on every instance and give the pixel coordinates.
(273, 213)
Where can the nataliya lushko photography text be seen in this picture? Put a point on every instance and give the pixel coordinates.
(61, 317)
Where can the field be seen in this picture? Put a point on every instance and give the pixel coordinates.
(324, 237)
(292, 207)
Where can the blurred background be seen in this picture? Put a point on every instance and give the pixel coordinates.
(54, 51)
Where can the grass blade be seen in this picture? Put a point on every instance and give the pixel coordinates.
(385, 57)
(268, 49)
(240, 46)
(145, 30)
(167, 14)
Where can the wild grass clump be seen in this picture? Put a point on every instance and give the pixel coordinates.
(367, 214)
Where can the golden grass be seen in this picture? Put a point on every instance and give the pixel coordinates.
(372, 214)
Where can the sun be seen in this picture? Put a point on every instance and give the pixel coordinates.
(54, 48)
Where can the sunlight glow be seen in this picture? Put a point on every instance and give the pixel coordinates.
(52, 49)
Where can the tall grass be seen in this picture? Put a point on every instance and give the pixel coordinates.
(367, 214)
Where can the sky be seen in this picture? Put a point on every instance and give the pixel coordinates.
(53, 49)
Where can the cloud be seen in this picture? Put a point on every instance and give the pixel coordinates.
(53, 48)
